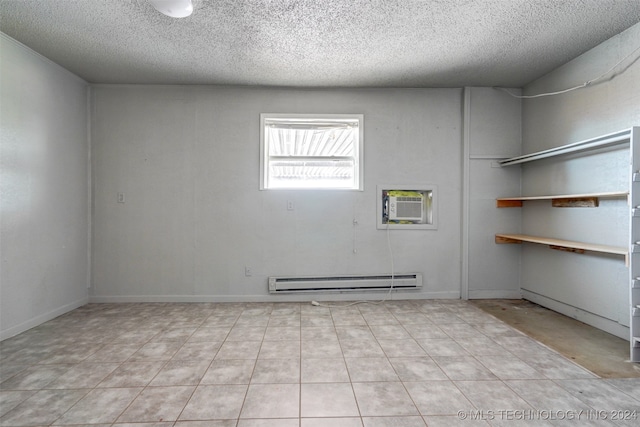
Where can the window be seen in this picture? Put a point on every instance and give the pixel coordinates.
(311, 151)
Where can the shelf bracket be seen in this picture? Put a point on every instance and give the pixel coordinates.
(508, 203)
(566, 249)
(501, 240)
(576, 202)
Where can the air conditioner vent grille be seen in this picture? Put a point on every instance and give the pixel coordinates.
(409, 199)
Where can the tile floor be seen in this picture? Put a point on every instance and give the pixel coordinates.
(402, 363)
(604, 354)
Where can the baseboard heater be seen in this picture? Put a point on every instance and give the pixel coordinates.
(344, 283)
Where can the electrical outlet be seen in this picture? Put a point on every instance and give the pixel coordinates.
(248, 271)
(120, 197)
(291, 205)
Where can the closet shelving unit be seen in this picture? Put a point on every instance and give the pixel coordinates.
(631, 253)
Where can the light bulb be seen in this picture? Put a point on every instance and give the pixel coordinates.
(173, 8)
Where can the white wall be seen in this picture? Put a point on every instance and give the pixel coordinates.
(44, 187)
(186, 159)
(493, 132)
(592, 288)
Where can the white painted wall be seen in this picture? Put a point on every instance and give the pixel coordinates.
(493, 133)
(591, 288)
(186, 158)
(44, 187)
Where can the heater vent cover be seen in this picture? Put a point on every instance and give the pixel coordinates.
(290, 284)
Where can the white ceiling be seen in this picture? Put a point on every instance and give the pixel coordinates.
(317, 43)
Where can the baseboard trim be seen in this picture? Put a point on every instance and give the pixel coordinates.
(602, 323)
(38, 320)
(495, 294)
(347, 296)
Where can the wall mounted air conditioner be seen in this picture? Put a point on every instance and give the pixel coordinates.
(402, 208)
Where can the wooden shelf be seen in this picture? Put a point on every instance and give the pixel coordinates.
(564, 200)
(631, 253)
(563, 245)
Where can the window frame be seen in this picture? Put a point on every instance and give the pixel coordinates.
(358, 158)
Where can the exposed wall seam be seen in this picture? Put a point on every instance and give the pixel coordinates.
(466, 121)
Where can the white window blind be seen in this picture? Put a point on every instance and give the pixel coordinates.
(311, 151)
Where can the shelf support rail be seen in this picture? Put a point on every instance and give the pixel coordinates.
(589, 144)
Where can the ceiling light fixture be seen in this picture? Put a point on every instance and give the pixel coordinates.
(173, 8)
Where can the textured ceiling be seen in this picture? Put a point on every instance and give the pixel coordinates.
(317, 43)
